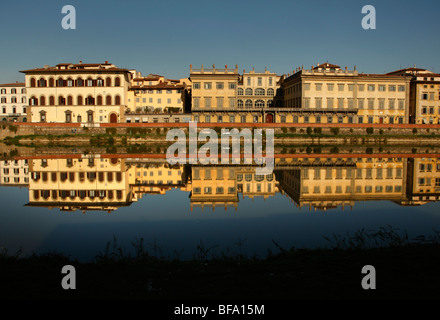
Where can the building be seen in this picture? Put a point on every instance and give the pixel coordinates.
(424, 107)
(423, 180)
(257, 92)
(14, 172)
(155, 98)
(82, 93)
(328, 94)
(13, 102)
(83, 183)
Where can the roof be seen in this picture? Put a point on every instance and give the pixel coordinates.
(17, 84)
(70, 67)
(407, 69)
(160, 85)
(327, 65)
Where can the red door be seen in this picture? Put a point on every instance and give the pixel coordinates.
(113, 118)
(269, 118)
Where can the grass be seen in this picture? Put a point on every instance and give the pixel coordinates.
(406, 268)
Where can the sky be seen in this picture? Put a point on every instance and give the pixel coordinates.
(165, 37)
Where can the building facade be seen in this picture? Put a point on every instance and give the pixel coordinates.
(81, 93)
(424, 106)
(13, 102)
(153, 98)
(328, 94)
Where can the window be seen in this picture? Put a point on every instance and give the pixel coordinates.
(318, 102)
(371, 103)
(248, 103)
(240, 91)
(207, 102)
(196, 85)
(371, 87)
(350, 87)
(219, 85)
(270, 91)
(341, 87)
(259, 103)
(391, 88)
(196, 101)
(361, 87)
(381, 88)
(248, 92)
(231, 102)
(401, 88)
(259, 92)
(318, 86)
(340, 103)
(219, 102)
(306, 86)
(330, 86)
(207, 85)
(260, 81)
(231, 85)
(329, 103)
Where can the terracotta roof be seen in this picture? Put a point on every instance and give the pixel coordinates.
(17, 84)
(160, 86)
(76, 68)
(327, 65)
(407, 69)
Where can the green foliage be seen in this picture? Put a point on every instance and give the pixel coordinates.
(370, 130)
(309, 130)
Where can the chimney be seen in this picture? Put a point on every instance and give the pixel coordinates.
(106, 62)
(80, 62)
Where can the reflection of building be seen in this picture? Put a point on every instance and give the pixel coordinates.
(423, 180)
(13, 102)
(328, 94)
(82, 93)
(95, 183)
(85, 183)
(425, 95)
(14, 173)
(156, 99)
(329, 184)
(219, 186)
(154, 178)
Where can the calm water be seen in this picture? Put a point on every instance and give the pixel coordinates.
(76, 205)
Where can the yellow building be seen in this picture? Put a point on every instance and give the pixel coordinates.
(328, 94)
(85, 183)
(156, 99)
(154, 178)
(425, 95)
(13, 102)
(423, 180)
(342, 182)
(14, 172)
(81, 93)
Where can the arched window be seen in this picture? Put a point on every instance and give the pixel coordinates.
(269, 103)
(23, 99)
(61, 101)
(3, 100)
(51, 82)
(108, 100)
(70, 101)
(99, 103)
(60, 82)
(99, 82)
(89, 82)
(51, 100)
(42, 101)
(270, 92)
(23, 90)
(108, 82)
(33, 84)
(117, 100)
(240, 91)
(248, 91)
(79, 82)
(117, 82)
(259, 92)
(42, 82)
(248, 103)
(79, 100)
(90, 101)
(240, 103)
(259, 103)
(33, 101)
(3, 91)
(70, 82)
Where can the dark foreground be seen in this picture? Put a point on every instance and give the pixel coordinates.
(402, 272)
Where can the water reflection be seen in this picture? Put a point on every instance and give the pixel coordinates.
(103, 182)
(180, 205)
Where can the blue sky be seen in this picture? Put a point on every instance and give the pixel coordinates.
(165, 37)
